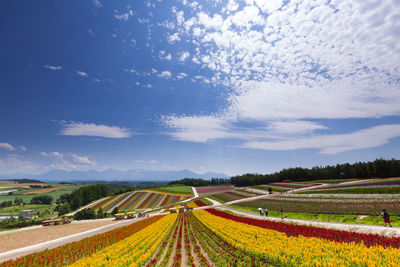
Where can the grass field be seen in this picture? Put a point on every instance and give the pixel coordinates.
(27, 198)
(176, 189)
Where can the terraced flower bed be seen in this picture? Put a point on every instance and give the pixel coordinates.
(139, 200)
(331, 205)
(285, 186)
(383, 186)
(234, 195)
(210, 190)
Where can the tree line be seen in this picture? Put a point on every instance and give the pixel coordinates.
(379, 168)
(200, 182)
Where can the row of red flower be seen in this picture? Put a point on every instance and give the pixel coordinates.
(309, 231)
(71, 252)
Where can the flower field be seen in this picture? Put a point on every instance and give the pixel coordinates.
(233, 195)
(215, 238)
(380, 186)
(327, 205)
(285, 186)
(139, 200)
(212, 189)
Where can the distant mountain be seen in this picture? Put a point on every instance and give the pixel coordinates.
(114, 175)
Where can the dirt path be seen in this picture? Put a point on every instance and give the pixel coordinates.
(27, 242)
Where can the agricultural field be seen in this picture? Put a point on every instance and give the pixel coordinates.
(175, 189)
(139, 200)
(327, 205)
(232, 195)
(27, 191)
(208, 190)
(215, 238)
(376, 186)
(285, 186)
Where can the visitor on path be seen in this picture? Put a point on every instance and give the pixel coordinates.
(281, 213)
(261, 211)
(266, 212)
(386, 218)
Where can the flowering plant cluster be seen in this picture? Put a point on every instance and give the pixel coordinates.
(74, 251)
(309, 231)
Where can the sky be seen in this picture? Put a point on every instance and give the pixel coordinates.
(225, 86)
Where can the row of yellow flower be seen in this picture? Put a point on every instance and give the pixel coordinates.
(134, 250)
(277, 247)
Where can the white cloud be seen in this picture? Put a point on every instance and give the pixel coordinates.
(91, 129)
(97, 3)
(84, 160)
(22, 148)
(153, 161)
(6, 146)
(49, 67)
(181, 75)
(122, 17)
(168, 57)
(81, 73)
(44, 154)
(184, 56)
(295, 127)
(165, 74)
(174, 38)
(335, 143)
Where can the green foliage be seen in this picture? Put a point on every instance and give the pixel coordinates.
(84, 195)
(115, 211)
(18, 201)
(14, 223)
(379, 168)
(44, 199)
(177, 189)
(85, 214)
(6, 204)
(63, 208)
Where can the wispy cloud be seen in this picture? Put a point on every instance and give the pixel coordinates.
(288, 64)
(334, 143)
(81, 73)
(6, 146)
(22, 148)
(49, 67)
(91, 129)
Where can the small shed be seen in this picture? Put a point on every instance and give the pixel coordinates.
(26, 214)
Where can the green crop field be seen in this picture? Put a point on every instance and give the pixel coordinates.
(176, 189)
(27, 198)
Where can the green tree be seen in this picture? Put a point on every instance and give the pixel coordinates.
(18, 201)
(115, 211)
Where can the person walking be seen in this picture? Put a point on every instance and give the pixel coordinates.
(261, 211)
(282, 213)
(266, 212)
(386, 218)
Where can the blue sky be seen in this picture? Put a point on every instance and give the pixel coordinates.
(226, 86)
